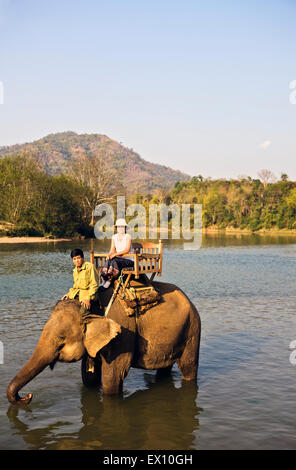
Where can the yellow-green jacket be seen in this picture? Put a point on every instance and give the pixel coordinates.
(86, 282)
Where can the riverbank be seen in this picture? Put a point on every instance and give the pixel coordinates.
(33, 240)
(208, 231)
(232, 231)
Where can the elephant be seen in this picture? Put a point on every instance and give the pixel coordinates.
(166, 333)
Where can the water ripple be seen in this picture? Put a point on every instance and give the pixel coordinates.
(246, 384)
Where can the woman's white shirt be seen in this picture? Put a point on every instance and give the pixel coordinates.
(121, 242)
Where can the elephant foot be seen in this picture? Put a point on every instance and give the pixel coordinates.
(112, 391)
(188, 371)
(112, 388)
(189, 378)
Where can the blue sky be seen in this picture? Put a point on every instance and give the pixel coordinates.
(198, 86)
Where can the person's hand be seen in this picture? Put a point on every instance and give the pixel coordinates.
(86, 303)
(112, 256)
(65, 297)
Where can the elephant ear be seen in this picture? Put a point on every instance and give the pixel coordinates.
(99, 333)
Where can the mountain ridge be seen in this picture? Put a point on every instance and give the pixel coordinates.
(56, 151)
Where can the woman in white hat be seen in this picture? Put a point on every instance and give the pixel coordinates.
(120, 245)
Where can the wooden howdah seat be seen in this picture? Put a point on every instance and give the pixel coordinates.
(147, 257)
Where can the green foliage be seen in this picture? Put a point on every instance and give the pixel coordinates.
(38, 204)
(246, 203)
(291, 199)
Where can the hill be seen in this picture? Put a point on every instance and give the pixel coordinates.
(55, 152)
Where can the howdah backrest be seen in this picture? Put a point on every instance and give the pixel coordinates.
(150, 256)
(147, 258)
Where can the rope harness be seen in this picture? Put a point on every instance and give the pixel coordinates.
(120, 282)
(135, 300)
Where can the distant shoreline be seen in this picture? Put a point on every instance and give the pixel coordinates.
(210, 231)
(233, 231)
(33, 240)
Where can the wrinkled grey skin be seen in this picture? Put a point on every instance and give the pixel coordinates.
(163, 335)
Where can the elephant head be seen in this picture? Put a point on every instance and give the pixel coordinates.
(63, 339)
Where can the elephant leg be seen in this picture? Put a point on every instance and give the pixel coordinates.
(188, 370)
(90, 371)
(165, 372)
(112, 380)
(114, 373)
(188, 362)
(112, 386)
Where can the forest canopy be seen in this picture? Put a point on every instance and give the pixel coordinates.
(35, 203)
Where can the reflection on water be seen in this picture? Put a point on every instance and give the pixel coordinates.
(147, 419)
(243, 239)
(244, 289)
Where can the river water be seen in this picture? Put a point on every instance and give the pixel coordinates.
(244, 397)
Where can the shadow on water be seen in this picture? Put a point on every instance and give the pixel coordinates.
(160, 417)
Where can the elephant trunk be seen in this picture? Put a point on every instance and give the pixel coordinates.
(34, 366)
(13, 396)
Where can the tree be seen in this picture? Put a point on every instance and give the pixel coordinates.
(36, 203)
(57, 207)
(197, 178)
(17, 173)
(291, 199)
(91, 171)
(214, 206)
(266, 176)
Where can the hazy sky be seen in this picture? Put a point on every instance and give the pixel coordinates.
(198, 86)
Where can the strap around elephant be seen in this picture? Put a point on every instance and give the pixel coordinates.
(119, 283)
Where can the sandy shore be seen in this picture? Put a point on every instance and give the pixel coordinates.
(32, 240)
(233, 231)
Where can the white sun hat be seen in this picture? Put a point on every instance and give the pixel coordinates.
(120, 223)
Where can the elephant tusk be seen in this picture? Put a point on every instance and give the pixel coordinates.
(90, 364)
